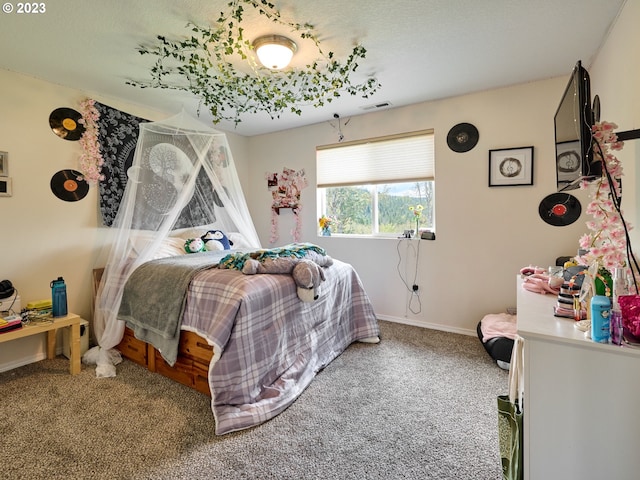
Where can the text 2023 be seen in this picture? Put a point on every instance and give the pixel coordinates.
(31, 7)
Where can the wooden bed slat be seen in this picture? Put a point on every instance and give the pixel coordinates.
(194, 354)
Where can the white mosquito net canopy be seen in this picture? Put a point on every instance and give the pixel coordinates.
(181, 184)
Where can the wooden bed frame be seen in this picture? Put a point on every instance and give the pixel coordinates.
(194, 354)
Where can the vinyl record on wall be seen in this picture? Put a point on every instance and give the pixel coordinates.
(65, 123)
(462, 137)
(559, 209)
(66, 186)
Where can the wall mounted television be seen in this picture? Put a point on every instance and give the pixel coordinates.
(573, 121)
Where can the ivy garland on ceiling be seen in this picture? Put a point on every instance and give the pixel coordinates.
(203, 66)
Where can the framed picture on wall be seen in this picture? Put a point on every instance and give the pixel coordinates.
(4, 164)
(511, 167)
(568, 161)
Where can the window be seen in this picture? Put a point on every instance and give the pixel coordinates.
(367, 187)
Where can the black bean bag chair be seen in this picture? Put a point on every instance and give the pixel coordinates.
(499, 348)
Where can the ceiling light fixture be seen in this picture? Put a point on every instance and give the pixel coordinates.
(223, 69)
(274, 51)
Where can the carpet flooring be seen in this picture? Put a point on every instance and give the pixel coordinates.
(419, 405)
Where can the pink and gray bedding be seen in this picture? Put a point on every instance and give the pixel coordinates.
(154, 296)
(268, 345)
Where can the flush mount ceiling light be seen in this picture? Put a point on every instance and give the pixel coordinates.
(219, 66)
(274, 51)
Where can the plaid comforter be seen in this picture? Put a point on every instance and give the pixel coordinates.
(269, 345)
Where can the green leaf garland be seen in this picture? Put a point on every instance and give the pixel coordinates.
(201, 65)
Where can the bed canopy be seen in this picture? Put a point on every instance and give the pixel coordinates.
(181, 184)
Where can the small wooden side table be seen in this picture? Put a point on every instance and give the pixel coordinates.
(71, 320)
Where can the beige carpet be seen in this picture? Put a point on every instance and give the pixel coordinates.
(421, 404)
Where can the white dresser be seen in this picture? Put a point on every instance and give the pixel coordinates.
(582, 399)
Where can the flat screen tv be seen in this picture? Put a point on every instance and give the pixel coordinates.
(573, 121)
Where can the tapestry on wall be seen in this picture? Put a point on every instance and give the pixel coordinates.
(117, 138)
(286, 188)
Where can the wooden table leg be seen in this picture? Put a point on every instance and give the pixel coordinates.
(74, 347)
(51, 344)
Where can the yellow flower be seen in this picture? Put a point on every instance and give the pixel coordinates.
(324, 221)
(417, 210)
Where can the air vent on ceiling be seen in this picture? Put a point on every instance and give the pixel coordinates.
(376, 106)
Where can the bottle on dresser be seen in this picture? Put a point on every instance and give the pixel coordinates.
(619, 288)
(600, 321)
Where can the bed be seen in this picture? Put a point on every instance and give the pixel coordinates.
(250, 343)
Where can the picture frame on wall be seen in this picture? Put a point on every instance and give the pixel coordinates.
(568, 161)
(4, 164)
(511, 167)
(6, 189)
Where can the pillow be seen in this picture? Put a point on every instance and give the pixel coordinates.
(169, 247)
(239, 241)
(193, 232)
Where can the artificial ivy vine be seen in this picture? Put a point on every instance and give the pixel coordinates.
(202, 65)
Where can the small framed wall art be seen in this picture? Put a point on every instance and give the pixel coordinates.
(6, 189)
(4, 164)
(511, 167)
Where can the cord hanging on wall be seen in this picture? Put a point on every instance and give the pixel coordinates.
(413, 288)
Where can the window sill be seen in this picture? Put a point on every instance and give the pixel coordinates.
(374, 237)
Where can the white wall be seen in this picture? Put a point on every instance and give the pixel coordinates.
(483, 235)
(614, 78)
(42, 237)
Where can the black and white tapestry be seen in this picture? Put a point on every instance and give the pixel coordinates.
(118, 136)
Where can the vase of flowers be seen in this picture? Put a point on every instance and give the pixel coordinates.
(417, 214)
(325, 225)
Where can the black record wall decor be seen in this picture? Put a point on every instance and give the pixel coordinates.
(462, 137)
(66, 186)
(559, 209)
(65, 123)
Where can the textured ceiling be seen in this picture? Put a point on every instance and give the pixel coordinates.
(419, 50)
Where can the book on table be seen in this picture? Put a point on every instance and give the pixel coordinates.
(10, 323)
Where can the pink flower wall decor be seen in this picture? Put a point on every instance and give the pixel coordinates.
(91, 159)
(606, 244)
(286, 188)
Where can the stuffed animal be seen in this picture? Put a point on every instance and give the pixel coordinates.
(320, 259)
(283, 264)
(307, 271)
(216, 240)
(194, 245)
(308, 275)
(269, 265)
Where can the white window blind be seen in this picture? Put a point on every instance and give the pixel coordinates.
(398, 158)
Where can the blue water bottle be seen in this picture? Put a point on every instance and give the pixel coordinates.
(59, 298)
